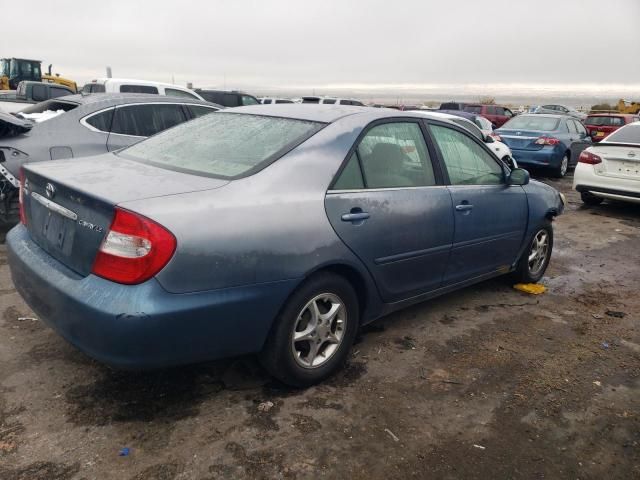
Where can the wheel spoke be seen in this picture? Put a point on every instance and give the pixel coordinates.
(306, 334)
(333, 311)
(313, 352)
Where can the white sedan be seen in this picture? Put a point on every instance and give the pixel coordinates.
(611, 169)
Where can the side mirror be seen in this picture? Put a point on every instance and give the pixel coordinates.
(489, 139)
(518, 176)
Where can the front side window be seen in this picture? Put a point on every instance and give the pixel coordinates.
(138, 89)
(392, 155)
(146, 120)
(248, 100)
(467, 162)
(283, 101)
(223, 145)
(174, 92)
(477, 109)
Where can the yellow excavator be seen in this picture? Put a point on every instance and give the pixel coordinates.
(15, 70)
(625, 106)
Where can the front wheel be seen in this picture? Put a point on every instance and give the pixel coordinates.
(535, 259)
(313, 334)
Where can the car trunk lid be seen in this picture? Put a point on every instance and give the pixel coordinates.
(618, 160)
(522, 139)
(69, 205)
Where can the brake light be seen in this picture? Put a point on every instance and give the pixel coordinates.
(496, 137)
(590, 158)
(134, 250)
(547, 141)
(23, 215)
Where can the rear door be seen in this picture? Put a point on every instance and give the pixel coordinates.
(579, 140)
(132, 123)
(390, 207)
(490, 216)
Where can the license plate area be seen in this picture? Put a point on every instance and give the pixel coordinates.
(52, 231)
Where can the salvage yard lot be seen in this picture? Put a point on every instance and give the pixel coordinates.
(482, 383)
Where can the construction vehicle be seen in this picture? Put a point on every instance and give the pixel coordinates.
(626, 106)
(15, 70)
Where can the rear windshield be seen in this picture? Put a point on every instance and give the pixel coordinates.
(223, 145)
(532, 122)
(473, 109)
(628, 134)
(604, 121)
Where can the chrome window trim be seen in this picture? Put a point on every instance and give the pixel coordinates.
(385, 189)
(54, 207)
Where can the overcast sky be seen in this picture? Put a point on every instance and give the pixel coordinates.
(289, 43)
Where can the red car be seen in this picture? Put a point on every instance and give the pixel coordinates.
(599, 125)
(494, 113)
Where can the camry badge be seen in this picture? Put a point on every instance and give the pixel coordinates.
(50, 190)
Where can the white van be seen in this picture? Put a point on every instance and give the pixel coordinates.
(124, 85)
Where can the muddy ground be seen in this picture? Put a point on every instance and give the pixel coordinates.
(485, 383)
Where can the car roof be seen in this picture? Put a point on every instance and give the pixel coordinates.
(135, 81)
(548, 115)
(326, 113)
(109, 99)
(611, 114)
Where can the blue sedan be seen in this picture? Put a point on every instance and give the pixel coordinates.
(277, 230)
(549, 141)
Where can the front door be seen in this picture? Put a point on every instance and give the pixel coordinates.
(391, 209)
(490, 216)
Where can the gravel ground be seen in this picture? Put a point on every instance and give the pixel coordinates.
(485, 383)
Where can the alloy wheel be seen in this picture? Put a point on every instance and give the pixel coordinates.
(538, 252)
(319, 330)
(564, 166)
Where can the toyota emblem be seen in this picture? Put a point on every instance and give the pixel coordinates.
(50, 190)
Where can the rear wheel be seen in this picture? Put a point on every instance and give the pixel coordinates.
(589, 198)
(313, 334)
(535, 259)
(563, 168)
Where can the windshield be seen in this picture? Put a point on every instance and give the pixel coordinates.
(223, 145)
(532, 122)
(628, 134)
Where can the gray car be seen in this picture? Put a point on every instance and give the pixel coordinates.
(79, 126)
(560, 110)
(271, 229)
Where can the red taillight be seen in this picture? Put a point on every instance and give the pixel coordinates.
(547, 141)
(496, 137)
(134, 250)
(590, 158)
(23, 215)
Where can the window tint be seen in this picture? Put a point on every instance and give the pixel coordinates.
(39, 92)
(146, 120)
(93, 88)
(627, 134)
(230, 100)
(499, 110)
(329, 101)
(102, 120)
(491, 110)
(473, 109)
(284, 101)
(310, 100)
(395, 155)
(213, 97)
(199, 110)
(467, 162)
(248, 100)
(224, 144)
(59, 92)
(174, 92)
(357, 103)
(138, 89)
(351, 176)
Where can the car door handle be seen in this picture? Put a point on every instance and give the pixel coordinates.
(464, 207)
(355, 217)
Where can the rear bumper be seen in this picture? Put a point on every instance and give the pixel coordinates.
(142, 326)
(545, 157)
(586, 180)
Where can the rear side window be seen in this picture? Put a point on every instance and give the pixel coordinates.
(284, 101)
(572, 127)
(138, 89)
(101, 121)
(394, 155)
(248, 100)
(627, 134)
(174, 92)
(467, 163)
(230, 100)
(477, 109)
(329, 101)
(93, 88)
(223, 145)
(310, 100)
(199, 110)
(213, 97)
(59, 92)
(351, 176)
(146, 120)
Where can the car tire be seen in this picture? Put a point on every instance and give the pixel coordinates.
(524, 272)
(589, 198)
(293, 361)
(561, 170)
